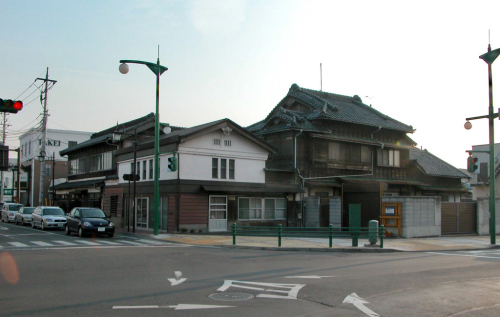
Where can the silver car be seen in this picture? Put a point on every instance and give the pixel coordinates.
(9, 211)
(48, 217)
(23, 216)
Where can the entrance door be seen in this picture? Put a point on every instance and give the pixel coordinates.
(217, 214)
(141, 217)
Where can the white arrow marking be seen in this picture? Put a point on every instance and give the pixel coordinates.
(194, 306)
(358, 302)
(308, 276)
(178, 280)
(176, 307)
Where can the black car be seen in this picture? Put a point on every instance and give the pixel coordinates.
(87, 220)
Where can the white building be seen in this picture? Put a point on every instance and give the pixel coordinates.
(481, 177)
(55, 166)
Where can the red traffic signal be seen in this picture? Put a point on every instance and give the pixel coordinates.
(12, 106)
(472, 164)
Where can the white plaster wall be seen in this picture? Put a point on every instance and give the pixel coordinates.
(62, 137)
(194, 159)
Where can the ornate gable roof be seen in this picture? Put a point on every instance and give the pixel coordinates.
(315, 105)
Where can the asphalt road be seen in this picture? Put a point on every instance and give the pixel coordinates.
(176, 280)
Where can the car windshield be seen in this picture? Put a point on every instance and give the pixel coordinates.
(53, 212)
(28, 210)
(15, 207)
(93, 213)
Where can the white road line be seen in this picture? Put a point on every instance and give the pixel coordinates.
(18, 244)
(130, 242)
(150, 241)
(87, 242)
(109, 242)
(42, 244)
(468, 255)
(64, 242)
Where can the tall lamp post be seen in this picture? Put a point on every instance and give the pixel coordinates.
(158, 70)
(489, 58)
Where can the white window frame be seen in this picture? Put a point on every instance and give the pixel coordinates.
(257, 210)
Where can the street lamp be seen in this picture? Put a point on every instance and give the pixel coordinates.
(489, 58)
(158, 70)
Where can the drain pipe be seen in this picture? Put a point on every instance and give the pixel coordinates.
(295, 150)
(371, 137)
(298, 173)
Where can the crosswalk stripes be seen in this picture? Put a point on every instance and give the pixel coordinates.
(83, 242)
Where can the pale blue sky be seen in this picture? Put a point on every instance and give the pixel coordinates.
(417, 61)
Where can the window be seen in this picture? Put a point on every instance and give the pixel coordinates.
(144, 169)
(138, 169)
(231, 169)
(227, 167)
(150, 169)
(100, 162)
(77, 166)
(388, 158)
(216, 141)
(113, 205)
(215, 168)
(72, 143)
(227, 142)
(218, 207)
(348, 152)
(223, 168)
(251, 208)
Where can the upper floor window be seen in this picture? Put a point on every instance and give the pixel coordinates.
(78, 166)
(349, 152)
(387, 157)
(227, 142)
(226, 168)
(216, 141)
(101, 162)
(150, 169)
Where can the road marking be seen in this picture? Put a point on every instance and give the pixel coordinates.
(64, 242)
(178, 280)
(42, 244)
(358, 302)
(150, 241)
(18, 244)
(468, 255)
(109, 242)
(87, 242)
(291, 290)
(130, 242)
(176, 307)
(308, 276)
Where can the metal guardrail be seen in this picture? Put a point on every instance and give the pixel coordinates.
(331, 233)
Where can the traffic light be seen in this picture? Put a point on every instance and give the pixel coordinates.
(172, 163)
(12, 106)
(472, 164)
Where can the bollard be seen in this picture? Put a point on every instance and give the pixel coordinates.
(373, 232)
(330, 234)
(234, 233)
(382, 233)
(279, 235)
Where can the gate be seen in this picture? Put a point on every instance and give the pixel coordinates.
(458, 218)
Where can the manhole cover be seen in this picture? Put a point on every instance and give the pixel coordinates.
(230, 296)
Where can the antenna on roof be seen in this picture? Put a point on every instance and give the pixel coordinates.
(321, 76)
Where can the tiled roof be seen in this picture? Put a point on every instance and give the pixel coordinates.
(433, 165)
(323, 105)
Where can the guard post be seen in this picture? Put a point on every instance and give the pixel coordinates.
(354, 222)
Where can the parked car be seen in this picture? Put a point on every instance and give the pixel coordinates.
(87, 220)
(9, 211)
(48, 217)
(23, 216)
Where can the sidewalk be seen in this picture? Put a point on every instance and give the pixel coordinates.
(444, 243)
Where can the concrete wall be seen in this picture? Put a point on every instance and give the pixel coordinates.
(421, 216)
(483, 216)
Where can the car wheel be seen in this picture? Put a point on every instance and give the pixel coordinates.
(68, 232)
(33, 224)
(80, 232)
(42, 226)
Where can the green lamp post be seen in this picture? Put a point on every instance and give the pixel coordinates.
(158, 70)
(489, 58)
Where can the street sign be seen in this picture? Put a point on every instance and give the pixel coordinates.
(7, 191)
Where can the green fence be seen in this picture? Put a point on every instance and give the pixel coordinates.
(296, 232)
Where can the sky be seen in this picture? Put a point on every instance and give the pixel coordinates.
(415, 61)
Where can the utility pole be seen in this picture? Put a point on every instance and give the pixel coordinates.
(42, 154)
(3, 143)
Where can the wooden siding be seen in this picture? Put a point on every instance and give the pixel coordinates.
(458, 218)
(193, 209)
(106, 202)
